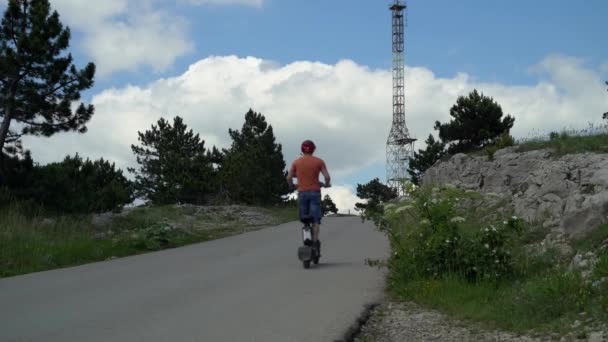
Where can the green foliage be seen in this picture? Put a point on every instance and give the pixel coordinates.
(157, 236)
(14, 173)
(568, 143)
(432, 239)
(455, 251)
(39, 81)
(71, 186)
(253, 169)
(376, 194)
(424, 159)
(505, 140)
(174, 166)
(547, 301)
(552, 295)
(601, 268)
(554, 136)
(328, 206)
(593, 239)
(476, 121)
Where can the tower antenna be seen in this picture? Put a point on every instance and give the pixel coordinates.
(399, 145)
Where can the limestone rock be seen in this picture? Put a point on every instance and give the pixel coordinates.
(569, 193)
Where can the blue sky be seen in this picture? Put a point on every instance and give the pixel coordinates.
(492, 40)
(321, 69)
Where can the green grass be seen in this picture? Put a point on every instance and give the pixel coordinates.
(542, 298)
(540, 294)
(593, 239)
(547, 302)
(282, 214)
(29, 243)
(564, 144)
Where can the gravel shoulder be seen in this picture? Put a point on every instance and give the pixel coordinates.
(404, 322)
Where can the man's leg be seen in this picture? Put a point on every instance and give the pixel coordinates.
(315, 210)
(315, 231)
(303, 207)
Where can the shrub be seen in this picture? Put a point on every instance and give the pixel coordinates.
(432, 237)
(553, 136)
(71, 186)
(154, 237)
(503, 141)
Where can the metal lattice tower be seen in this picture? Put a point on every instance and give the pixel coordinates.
(399, 145)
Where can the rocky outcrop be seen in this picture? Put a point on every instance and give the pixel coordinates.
(567, 193)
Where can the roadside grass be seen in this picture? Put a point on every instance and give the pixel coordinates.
(282, 214)
(536, 291)
(568, 143)
(593, 239)
(547, 302)
(32, 242)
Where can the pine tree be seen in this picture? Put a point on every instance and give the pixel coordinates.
(328, 206)
(476, 122)
(253, 169)
(424, 159)
(39, 83)
(376, 194)
(174, 165)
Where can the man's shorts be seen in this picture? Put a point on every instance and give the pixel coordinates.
(309, 203)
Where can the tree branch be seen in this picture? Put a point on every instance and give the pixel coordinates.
(41, 124)
(54, 90)
(12, 137)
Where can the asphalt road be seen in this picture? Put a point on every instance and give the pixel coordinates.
(249, 287)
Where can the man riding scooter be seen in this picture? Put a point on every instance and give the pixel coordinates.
(307, 169)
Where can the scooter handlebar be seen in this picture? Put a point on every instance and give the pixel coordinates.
(322, 184)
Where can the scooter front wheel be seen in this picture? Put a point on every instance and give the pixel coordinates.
(306, 263)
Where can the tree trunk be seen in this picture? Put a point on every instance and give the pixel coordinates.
(6, 122)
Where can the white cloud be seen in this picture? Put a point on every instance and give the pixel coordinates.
(345, 108)
(81, 14)
(121, 35)
(343, 197)
(128, 35)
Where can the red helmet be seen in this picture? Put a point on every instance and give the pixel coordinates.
(308, 146)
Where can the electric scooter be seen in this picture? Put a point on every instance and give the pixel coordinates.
(309, 251)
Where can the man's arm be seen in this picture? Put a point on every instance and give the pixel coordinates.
(326, 175)
(290, 176)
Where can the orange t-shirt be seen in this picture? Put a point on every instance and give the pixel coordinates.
(307, 170)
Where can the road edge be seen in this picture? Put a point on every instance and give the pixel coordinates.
(355, 329)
